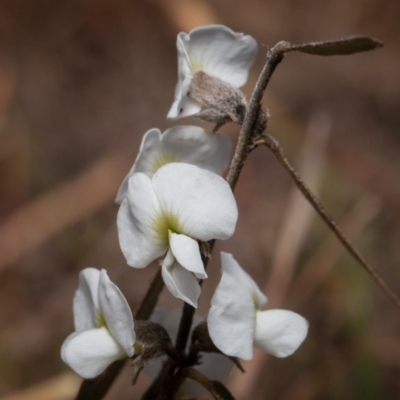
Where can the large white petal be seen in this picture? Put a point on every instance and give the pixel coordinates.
(85, 304)
(183, 105)
(220, 52)
(117, 313)
(187, 252)
(229, 264)
(194, 145)
(151, 143)
(180, 282)
(201, 201)
(137, 221)
(231, 319)
(90, 352)
(280, 332)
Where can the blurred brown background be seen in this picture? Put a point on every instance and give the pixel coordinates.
(82, 80)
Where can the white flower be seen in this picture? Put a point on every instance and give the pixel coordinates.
(215, 50)
(167, 214)
(104, 329)
(235, 322)
(189, 144)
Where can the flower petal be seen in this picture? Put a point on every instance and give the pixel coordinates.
(85, 304)
(137, 217)
(194, 145)
(180, 282)
(183, 105)
(201, 201)
(151, 142)
(90, 352)
(229, 264)
(186, 251)
(117, 313)
(190, 144)
(280, 332)
(231, 320)
(220, 52)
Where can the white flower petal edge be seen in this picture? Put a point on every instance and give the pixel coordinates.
(186, 251)
(231, 319)
(215, 50)
(86, 303)
(136, 222)
(117, 314)
(109, 336)
(235, 323)
(189, 144)
(180, 282)
(90, 352)
(200, 200)
(280, 332)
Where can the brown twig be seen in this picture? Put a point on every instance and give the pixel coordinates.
(274, 146)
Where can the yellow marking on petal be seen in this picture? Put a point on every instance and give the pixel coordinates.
(255, 300)
(161, 160)
(101, 321)
(196, 66)
(164, 225)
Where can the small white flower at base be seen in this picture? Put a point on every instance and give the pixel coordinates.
(166, 215)
(215, 50)
(236, 324)
(104, 328)
(188, 144)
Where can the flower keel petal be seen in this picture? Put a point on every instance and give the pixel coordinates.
(280, 332)
(117, 313)
(90, 352)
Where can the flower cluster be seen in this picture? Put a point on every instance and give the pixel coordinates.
(173, 200)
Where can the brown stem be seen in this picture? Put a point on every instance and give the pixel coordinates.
(274, 146)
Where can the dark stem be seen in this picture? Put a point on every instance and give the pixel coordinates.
(184, 327)
(150, 300)
(274, 146)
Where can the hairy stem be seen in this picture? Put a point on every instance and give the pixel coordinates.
(244, 146)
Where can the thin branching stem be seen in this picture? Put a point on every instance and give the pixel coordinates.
(276, 149)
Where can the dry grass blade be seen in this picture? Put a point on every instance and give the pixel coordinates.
(59, 388)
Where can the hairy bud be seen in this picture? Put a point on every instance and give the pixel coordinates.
(222, 102)
(152, 341)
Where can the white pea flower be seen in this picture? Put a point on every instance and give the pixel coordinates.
(235, 322)
(189, 144)
(166, 215)
(216, 51)
(104, 328)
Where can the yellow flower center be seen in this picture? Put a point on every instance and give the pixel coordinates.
(161, 160)
(164, 224)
